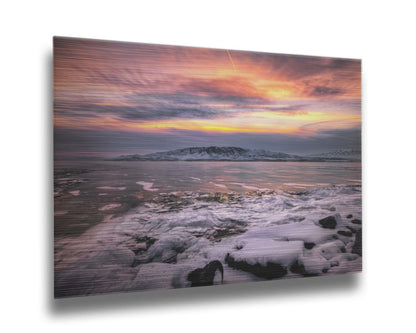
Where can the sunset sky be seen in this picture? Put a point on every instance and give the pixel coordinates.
(113, 98)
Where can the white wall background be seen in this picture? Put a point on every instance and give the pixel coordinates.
(381, 33)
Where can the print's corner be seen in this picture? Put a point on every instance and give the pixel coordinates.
(379, 298)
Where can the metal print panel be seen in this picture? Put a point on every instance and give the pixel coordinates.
(182, 167)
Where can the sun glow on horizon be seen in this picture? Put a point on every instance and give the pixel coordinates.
(157, 89)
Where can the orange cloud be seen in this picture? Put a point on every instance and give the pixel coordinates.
(111, 75)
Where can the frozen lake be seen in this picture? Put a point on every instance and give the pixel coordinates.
(123, 226)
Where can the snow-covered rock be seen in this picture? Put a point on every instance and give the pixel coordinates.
(265, 257)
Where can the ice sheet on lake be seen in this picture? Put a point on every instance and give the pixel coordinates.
(218, 185)
(147, 186)
(110, 207)
(120, 188)
(249, 187)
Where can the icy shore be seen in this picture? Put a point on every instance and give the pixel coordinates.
(259, 235)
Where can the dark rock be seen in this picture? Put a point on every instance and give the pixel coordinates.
(147, 241)
(270, 271)
(328, 222)
(238, 246)
(346, 233)
(299, 268)
(358, 244)
(309, 245)
(349, 216)
(356, 221)
(205, 276)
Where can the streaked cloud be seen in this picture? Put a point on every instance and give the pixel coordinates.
(156, 90)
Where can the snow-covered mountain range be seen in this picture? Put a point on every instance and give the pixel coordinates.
(349, 154)
(214, 153)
